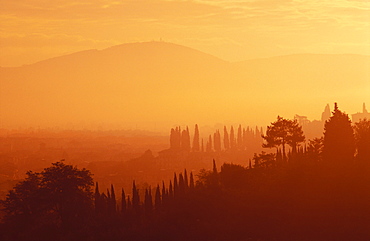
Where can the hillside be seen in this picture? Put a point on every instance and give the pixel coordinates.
(156, 85)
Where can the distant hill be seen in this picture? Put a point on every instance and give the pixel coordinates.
(158, 83)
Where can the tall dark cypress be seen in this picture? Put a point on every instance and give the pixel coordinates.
(245, 139)
(129, 203)
(339, 141)
(186, 179)
(170, 190)
(135, 198)
(196, 145)
(185, 140)
(232, 138)
(172, 139)
(181, 184)
(191, 183)
(214, 167)
(123, 202)
(164, 193)
(148, 205)
(175, 138)
(97, 199)
(239, 138)
(217, 141)
(113, 201)
(175, 186)
(226, 139)
(214, 176)
(157, 200)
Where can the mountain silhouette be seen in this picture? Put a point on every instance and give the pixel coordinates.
(161, 82)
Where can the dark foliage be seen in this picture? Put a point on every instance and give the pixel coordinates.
(302, 198)
(339, 142)
(56, 201)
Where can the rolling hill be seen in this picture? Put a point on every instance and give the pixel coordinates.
(154, 85)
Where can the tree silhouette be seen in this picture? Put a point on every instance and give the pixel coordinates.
(59, 195)
(196, 145)
(185, 140)
(339, 143)
(112, 201)
(157, 200)
(123, 202)
(314, 149)
(362, 138)
(217, 141)
(264, 160)
(282, 132)
(148, 202)
(239, 139)
(175, 138)
(232, 138)
(135, 198)
(226, 139)
(191, 182)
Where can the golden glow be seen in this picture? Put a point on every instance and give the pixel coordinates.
(33, 30)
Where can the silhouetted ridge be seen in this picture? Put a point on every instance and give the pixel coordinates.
(131, 83)
(159, 50)
(145, 53)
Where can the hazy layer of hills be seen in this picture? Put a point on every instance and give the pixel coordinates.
(157, 84)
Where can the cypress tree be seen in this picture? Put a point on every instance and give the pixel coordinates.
(175, 186)
(191, 184)
(186, 179)
(148, 205)
(170, 191)
(196, 145)
(97, 198)
(214, 176)
(185, 140)
(245, 138)
(239, 138)
(181, 184)
(226, 139)
(209, 144)
(103, 203)
(164, 193)
(362, 138)
(175, 138)
(217, 141)
(108, 194)
(123, 202)
(113, 199)
(172, 139)
(129, 203)
(214, 167)
(339, 142)
(232, 138)
(157, 201)
(135, 198)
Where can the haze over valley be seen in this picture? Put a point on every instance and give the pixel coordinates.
(157, 85)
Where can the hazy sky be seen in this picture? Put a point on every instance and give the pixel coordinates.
(32, 30)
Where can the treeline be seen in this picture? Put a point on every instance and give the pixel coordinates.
(231, 139)
(313, 191)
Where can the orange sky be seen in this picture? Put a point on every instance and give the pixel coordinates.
(33, 30)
